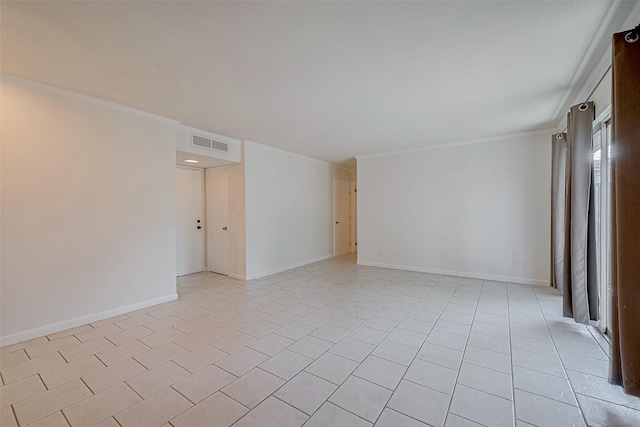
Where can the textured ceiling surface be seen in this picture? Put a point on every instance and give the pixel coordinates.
(330, 80)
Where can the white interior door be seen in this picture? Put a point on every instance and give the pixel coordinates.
(218, 220)
(189, 223)
(354, 217)
(342, 206)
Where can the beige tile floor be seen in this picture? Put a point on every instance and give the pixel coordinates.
(329, 344)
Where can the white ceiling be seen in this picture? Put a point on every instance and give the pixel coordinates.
(330, 80)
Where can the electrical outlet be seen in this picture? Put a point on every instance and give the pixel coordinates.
(379, 252)
(516, 259)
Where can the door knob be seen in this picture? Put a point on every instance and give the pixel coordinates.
(224, 228)
(199, 227)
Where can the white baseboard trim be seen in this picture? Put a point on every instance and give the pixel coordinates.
(79, 321)
(288, 267)
(482, 276)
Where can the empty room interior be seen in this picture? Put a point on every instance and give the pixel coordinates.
(339, 214)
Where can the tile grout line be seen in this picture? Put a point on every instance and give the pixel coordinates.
(455, 384)
(287, 403)
(602, 336)
(421, 345)
(143, 399)
(63, 358)
(513, 386)
(15, 415)
(286, 381)
(564, 370)
(193, 404)
(351, 373)
(42, 380)
(413, 359)
(65, 417)
(326, 351)
(327, 288)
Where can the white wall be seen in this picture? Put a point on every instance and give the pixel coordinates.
(289, 209)
(88, 210)
(237, 222)
(459, 210)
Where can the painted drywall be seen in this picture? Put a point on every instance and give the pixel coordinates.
(459, 210)
(88, 210)
(289, 209)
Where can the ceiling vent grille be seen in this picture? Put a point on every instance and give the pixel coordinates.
(220, 146)
(200, 141)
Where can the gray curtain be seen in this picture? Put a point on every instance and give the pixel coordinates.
(573, 237)
(625, 212)
(558, 200)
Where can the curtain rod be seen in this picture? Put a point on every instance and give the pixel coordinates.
(631, 37)
(598, 84)
(593, 90)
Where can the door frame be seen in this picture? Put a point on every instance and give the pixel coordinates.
(335, 206)
(206, 215)
(354, 217)
(203, 202)
(602, 123)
